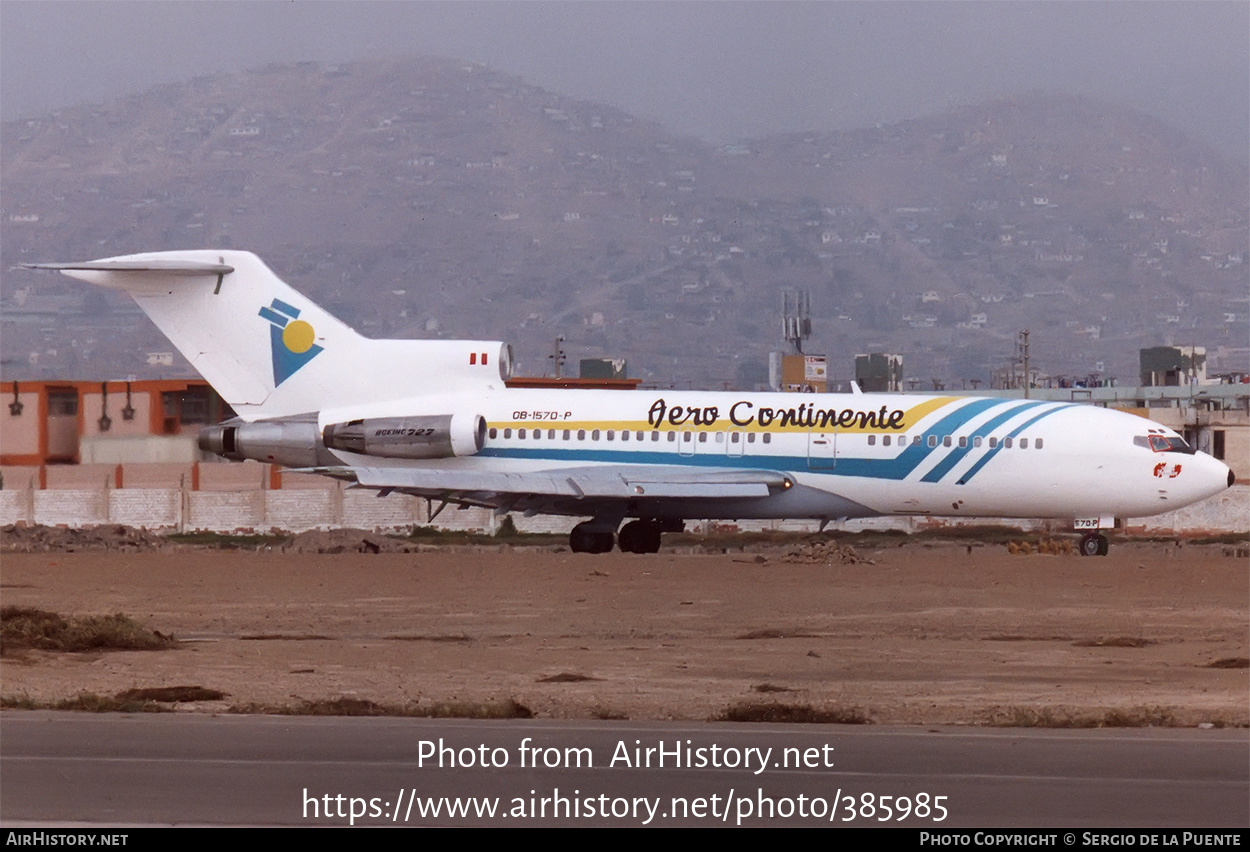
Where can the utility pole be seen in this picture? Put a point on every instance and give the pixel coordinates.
(1022, 355)
(557, 355)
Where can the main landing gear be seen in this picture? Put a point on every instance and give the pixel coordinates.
(641, 536)
(588, 538)
(1094, 544)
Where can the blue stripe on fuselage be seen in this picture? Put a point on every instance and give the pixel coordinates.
(963, 480)
(897, 468)
(945, 465)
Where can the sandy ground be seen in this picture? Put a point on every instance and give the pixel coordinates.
(925, 634)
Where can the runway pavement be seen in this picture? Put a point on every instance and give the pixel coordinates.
(173, 769)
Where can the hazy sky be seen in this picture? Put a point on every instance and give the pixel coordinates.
(720, 70)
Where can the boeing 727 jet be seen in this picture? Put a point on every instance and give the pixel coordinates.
(435, 419)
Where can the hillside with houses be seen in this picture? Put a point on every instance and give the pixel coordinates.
(435, 198)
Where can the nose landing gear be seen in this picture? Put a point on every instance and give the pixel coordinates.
(1094, 544)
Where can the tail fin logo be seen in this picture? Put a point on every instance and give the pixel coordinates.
(292, 340)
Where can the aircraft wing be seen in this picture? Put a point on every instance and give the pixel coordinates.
(602, 482)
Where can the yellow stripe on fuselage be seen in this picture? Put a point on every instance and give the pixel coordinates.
(911, 417)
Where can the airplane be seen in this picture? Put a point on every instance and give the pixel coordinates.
(434, 419)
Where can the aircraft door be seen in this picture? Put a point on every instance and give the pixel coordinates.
(822, 449)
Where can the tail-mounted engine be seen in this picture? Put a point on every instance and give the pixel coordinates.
(288, 441)
(424, 437)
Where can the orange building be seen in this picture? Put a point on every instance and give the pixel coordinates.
(45, 422)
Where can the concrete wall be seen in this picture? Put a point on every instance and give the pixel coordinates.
(138, 449)
(334, 505)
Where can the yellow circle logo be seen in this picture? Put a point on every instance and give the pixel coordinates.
(298, 336)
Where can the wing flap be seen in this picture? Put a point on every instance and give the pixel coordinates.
(577, 483)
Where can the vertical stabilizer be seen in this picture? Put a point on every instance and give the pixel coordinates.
(270, 351)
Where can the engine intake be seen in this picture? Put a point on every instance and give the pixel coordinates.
(423, 437)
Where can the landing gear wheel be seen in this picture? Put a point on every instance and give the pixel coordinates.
(586, 539)
(640, 537)
(1094, 544)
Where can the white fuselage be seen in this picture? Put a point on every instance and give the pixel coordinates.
(853, 455)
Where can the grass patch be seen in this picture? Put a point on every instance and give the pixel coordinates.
(1045, 717)
(1114, 642)
(171, 694)
(770, 687)
(509, 709)
(749, 711)
(1225, 538)
(27, 628)
(87, 702)
(1230, 663)
(285, 637)
(566, 677)
(773, 633)
(229, 541)
(506, 531)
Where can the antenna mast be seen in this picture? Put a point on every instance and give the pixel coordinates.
(796, 317)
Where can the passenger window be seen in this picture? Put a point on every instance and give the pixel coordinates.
(672, 436)
(750, 437)
(1038, 443)
(594, 436)
(993, 443)
(581, 434)
(768, 437)
(507, 433)
(567, 434)
(520, 433)
(655, 436)
(624, 435)
(933, 440)
(639, 435)
(916, 440)
(976, 442)
(734, 437)
(885, 441)
(493, 432)
(611, 434)
(872, 440)
(703, 437)
(1007, 443)
(946, 441)
(1024, 443)
(963, 440)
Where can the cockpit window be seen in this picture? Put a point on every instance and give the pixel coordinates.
(1164, 444)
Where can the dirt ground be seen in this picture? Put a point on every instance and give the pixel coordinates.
(915, 634)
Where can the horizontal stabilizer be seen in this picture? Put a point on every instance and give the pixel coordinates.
(169, 267)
